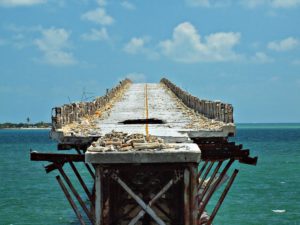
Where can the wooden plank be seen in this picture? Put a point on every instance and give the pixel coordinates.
(55, 157)
(224, 154)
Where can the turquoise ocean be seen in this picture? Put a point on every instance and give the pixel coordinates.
(268, 193)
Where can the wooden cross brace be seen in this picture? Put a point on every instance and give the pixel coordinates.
(146, 208)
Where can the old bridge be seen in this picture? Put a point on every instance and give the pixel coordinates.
(155, 153)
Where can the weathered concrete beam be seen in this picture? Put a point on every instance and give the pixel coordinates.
(189, 152)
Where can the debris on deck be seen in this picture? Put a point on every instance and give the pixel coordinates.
(79, 119)
(120, 141)
(155, 153)
(181, 115)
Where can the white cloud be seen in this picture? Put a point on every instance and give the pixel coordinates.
(16, 3)
(23, 29)
(271, 3)
(247, 3)
(20, 41)
(186, 45)
(2, 42)
(200, 3)
(252, 3)
(136, 77)
(128, 5)
(101, 2)
(137, 46)
(54, 43)
(274, 79)
(99, 16)
(208, 3)
(284, 45)
(296, 62)
(261, 57)
(285, 3)
(22, 36)
(96, 35)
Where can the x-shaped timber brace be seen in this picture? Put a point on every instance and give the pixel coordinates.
(197, 190)
(146, 208)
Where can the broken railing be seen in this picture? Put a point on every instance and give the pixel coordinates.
(69, 113)
(211, 109)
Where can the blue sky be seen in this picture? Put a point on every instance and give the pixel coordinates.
(244, 52)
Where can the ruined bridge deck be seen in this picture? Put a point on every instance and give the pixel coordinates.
(142, 108)
(142, 140)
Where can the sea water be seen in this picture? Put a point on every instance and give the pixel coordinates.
(268, 193)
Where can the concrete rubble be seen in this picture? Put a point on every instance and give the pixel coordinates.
(178, 110)
(120, 142)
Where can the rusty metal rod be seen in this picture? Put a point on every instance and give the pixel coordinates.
(70, 200)
(77, 196)
(87, 165)
(205, 175)
(203, 179)
(201, 196)
(202, 169)
(214, 187)
(81, 181)
(217, 207)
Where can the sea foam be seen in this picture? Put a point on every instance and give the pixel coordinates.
(279, 210)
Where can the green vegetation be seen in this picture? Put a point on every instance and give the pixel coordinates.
(25, 125)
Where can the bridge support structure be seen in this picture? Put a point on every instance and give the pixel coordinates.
(152, 192)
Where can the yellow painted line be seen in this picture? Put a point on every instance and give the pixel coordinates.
(146, 112)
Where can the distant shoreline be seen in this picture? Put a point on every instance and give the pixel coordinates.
(26, 128)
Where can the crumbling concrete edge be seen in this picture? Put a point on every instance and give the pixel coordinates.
(69, 113)
(211, 109)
